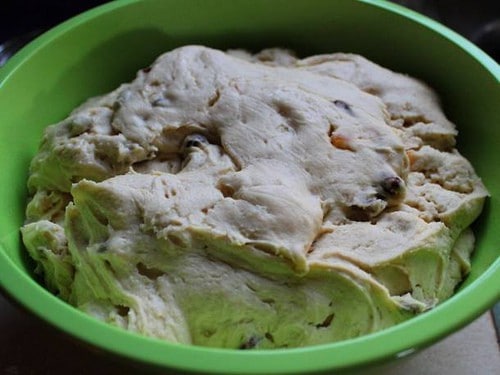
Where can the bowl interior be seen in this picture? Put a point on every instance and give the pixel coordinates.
(93, 53)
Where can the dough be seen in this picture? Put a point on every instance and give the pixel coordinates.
(254, 201)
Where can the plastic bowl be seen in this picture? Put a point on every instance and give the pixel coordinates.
(94, 52)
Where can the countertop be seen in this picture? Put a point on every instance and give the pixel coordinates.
(472, 350)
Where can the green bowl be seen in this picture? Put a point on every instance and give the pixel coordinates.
(94, 52)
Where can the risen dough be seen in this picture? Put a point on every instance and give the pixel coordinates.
(237, 200)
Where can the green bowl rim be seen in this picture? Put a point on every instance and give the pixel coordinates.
(399, 341)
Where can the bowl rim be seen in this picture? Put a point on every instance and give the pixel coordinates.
(350, 353)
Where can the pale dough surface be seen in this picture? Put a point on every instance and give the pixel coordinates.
(241, 201)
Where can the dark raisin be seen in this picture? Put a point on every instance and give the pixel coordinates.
(269, 336)
(150, 273)
(343, 105)
(250, 343)
(194, 140)
(227, 191)
(392, 185)
(326, 323)
(357, 213)
(122, 310)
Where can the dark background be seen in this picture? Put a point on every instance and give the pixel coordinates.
(18, 17)
(477, 20)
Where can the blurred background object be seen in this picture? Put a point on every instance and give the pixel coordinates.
(19, 17)
(22, 20)
(478, 20)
